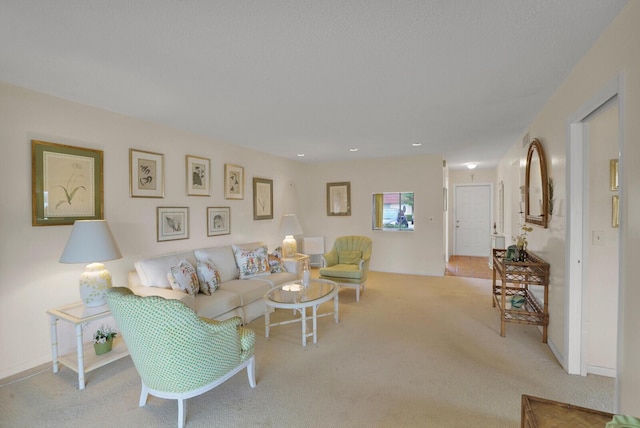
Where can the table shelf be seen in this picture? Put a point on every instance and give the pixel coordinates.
(532, 271)
(93, 361)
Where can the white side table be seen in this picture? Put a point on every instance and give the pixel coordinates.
(85, 358)
(294, 263)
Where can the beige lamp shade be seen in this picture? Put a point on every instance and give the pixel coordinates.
(92, 242)
(289, 226)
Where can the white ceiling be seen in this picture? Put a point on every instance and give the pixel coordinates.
(463, 77)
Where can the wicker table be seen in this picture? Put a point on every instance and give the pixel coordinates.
(297, 297)
(543, 413)
(531, 271)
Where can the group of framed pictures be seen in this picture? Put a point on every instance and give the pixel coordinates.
(67, 185)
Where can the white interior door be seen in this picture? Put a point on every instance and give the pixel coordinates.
(472, 219)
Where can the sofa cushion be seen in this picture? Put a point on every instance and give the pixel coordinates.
(183, 277)
(216, 304)
(278, 278)
(252, 262)
(153, 271)
(223, 258)
(349, 257)
(275, 261)
(249, 290)
(342, 271)
(208, 277)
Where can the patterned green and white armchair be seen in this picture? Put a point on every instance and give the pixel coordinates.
(177, 354)
(348, 262)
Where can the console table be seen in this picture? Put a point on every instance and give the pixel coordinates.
(540, 413)
(515, 279)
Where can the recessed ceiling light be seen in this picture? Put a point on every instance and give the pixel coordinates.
(300, 155)
(353, 149)
(416, 144)
(472, 165)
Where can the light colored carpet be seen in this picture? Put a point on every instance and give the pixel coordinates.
(414, 352)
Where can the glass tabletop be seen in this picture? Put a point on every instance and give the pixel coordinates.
(295, 292)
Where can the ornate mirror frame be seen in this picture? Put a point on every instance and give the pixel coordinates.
(536, 170)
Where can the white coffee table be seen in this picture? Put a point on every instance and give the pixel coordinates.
(295, 296)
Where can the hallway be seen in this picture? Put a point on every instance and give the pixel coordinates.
(468, 266)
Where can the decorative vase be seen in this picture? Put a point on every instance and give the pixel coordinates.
(103, 348)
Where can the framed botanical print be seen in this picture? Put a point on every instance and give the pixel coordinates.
(339, 198)
(198, 176)
(172, 223)
(218, 221)
(67, 184)
(146, 174)
(262, 198)
(233, 181)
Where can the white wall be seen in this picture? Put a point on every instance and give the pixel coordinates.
(617, 52)
(31, 279)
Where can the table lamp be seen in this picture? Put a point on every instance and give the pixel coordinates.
(289, 226)
(92, 242)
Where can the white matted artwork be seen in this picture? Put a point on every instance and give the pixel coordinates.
(172, 223)
(339, 198)
(198, 176)
(146, 174)
(218, 221)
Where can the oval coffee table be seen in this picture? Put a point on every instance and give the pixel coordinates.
(294, 295)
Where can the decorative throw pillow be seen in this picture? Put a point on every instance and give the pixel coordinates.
(275, 261)
(253, 262)
(208, 276)
(184, 278)
(349, 257)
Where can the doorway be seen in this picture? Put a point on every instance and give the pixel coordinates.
(472, 219)
(584, 234)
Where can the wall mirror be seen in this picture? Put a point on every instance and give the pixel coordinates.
(536, 198)
(393, 211)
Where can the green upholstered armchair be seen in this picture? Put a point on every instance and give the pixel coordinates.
(177, 354)
(348, 262)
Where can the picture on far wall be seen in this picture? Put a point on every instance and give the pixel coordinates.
(233, 181)
(262, 198)
(339, 198)
(146, 174)
(198, 176)
(67, 184)
(172, 223)
(218, 221)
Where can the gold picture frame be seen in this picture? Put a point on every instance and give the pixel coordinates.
(66, 184)
(615, 211)
(262, 198)
(218, 221)
(613, 175)
(146, 174)
(198, 176)
(172, 223)
(339, 199)
(233, 181)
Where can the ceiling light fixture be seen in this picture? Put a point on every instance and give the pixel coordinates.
(416, 144)
(300, 155)
(472, 165)
(353, 149)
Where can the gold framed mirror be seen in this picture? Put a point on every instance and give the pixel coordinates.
(536, 196)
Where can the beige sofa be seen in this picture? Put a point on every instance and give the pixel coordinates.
(234, 296)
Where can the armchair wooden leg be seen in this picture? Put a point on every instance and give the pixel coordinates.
(144, 394)
(251, 372)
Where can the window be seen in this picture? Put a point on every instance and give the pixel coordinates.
(393, 211)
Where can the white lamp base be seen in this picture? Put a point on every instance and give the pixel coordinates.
(94, 283)
(289, 246)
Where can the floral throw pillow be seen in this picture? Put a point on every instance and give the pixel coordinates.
(253, 262)
(275, 261)
(208, 276)
(184, 278)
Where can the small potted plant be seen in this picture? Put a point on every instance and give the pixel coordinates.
(103, 339)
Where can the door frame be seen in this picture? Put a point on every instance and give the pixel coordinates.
(576, 236)
(455, 209)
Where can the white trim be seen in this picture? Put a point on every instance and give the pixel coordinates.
(574, 361)
(455, 209)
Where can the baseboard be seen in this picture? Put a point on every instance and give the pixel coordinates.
(601, 371)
